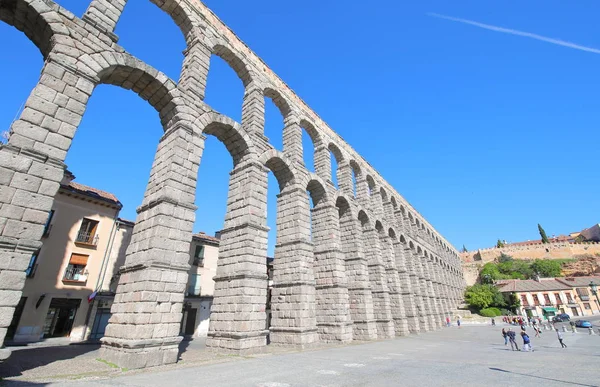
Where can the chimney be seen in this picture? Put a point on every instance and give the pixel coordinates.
(67, 177)
(218, 234)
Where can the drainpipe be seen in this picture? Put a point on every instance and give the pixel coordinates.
(103, 268)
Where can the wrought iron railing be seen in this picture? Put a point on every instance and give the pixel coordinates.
(74, 273)
(87, 238)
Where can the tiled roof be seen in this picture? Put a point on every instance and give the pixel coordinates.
(93, 192)
(206, 238)
(578, 282)
(530, 285)
(127, 222)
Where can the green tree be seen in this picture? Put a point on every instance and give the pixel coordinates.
(464, 249)
(499, 244)
(546, 268)
(490, 273)
(484, 296)
(505, 258)
(543, 234)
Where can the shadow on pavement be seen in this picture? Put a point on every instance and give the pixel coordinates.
(28, 358)
(543, 378)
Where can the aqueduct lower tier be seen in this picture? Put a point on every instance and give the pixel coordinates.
(367, 267)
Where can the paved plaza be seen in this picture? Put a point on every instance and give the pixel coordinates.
(471, 355)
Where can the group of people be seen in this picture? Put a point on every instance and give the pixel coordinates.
(510, 336)
(518, 320)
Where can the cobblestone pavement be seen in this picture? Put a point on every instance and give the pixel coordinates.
(471, 356)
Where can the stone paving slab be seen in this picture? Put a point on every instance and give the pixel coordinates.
(471, 356)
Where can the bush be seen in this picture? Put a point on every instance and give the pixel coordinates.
(490, 312)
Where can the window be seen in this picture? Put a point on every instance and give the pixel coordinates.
(199, 255)
(558, 299)
(30, 271)
(194, 285)
(48, 226)
(546, 299)
(583, 294)
(569, 298)
(76, 268)
(524, 300)
(587, 305)
(537, 299)
(87, 232)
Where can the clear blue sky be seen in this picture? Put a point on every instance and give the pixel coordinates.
(485, 132)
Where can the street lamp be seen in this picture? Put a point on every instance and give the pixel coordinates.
(594, 288)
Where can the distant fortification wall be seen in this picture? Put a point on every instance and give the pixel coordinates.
(473, 261)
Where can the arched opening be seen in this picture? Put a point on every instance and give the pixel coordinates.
(356, 174)
(225, 84)
(370, 185)
(277, 111)
(163, 47)
(311, 143)
(20, 58)
(337, 160)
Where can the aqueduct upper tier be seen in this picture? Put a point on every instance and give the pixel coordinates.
(360, 264)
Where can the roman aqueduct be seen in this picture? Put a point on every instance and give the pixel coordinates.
(368, 266)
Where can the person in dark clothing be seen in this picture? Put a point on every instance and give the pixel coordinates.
(560, 338)
(511, 337)
(505, 335)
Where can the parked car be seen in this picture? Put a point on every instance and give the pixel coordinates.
(583, 324)
(563, 317)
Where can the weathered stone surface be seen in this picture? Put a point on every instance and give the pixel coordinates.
(368, 267)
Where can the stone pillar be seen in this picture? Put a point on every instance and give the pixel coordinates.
(31, 168)
(253, 110)
(292, 138)
(322, 162)
(408, 297)
(434, 290)
(293, 303)
(427, 296)
(104, 15)
(418, 291)
(344, 178)
(443, 291)
(143, 330)
(357, 273)
(362, 193)
(394, 286)
(376, 204)
(379, 288)
(196, 63)
(333, 315)
(238, 318)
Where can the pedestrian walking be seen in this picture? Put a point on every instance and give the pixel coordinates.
(505, 335)
(560, 339)
(458, 322)
(493, 322)
(447, 321)
(537, 331)
(512, 339)
(526, 342)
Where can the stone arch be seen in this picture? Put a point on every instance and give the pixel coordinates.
(229, 132)
(182, 16)
(392, 234)
(394, 203)
(279, 101)
(403, 239)
(343, 206)
(340, 161)
(411, 245)
(36, 19)
(379, 226)
(371, 186)
(357, 177)
(384, 195)
(364, 219)
(128, 72)
(314, 134)
(280, 166)
(419, 250)
(234, 61)
(316, 188)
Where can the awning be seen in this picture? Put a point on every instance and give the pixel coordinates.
(549, 309)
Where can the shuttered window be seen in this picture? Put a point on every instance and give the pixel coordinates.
(78, 259)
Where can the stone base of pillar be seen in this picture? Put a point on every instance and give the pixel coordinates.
(335, 332)
(298, 338)
(401, 327)
(364, 330)
(385, 329)
(134, 354)
(237, 344)
(413, 325)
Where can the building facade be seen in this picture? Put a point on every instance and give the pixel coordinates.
(548, 297)
(74, 259)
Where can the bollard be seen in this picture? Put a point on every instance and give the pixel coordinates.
(564, 328)
(591, 330)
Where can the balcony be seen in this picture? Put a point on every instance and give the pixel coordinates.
(74, 274)
(86, 238)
